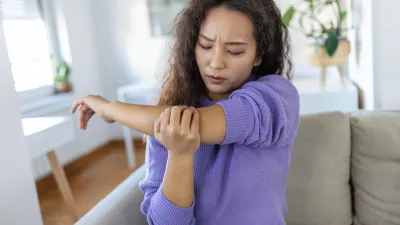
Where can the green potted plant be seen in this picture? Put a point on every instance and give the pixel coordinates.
(329, 45)
(61, 79)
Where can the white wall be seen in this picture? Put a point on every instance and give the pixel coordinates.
(361, 66)
(87, 79)
(18, 197)
(127, 52)
(377, 48)
(386, 47)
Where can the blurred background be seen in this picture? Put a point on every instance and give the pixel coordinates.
(55, 51)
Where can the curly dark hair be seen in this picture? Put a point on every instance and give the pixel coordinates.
(183, 84)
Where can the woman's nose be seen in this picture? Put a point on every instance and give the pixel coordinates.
(217, 61)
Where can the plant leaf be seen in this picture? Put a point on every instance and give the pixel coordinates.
(62, 72)
(288, 16)
(343, 16)
(331, 43)
(310, 4)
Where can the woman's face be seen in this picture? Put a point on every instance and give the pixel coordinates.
(225, 51)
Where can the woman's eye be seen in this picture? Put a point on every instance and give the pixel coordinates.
(235, 53)
(205, 47)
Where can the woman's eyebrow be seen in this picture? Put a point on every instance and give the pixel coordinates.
(226, 43)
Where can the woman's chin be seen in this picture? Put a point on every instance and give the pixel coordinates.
(217, 89)
(217, 93)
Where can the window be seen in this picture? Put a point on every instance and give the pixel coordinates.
(29, 45)
(29, 54)
(162, 14)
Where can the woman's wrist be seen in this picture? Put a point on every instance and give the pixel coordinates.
(109, 111)
(181, 158)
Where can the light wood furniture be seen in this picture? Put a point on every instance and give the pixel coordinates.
(318, 56)
(100, 168)
(44, 135)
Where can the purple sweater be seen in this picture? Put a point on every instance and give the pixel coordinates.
(243, 180)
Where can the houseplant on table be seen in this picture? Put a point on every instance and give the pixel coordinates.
(321, 21)
(61, 79)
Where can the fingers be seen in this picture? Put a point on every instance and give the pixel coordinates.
(89, 115)
(82, 115)
(176, 114)
(187, 119)
(165, 118)
(76, 104)
(195, 126)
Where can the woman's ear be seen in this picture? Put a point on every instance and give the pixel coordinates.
(258, 61)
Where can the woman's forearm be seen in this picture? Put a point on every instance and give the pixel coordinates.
(141, 118)
(137, 117)
(178, 182)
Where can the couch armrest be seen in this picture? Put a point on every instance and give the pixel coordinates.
(121, 206)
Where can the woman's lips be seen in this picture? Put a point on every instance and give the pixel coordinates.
(215, 80)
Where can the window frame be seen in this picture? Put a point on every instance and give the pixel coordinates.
(44, 99)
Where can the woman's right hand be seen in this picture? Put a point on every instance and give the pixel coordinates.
(88, 106)
(177, 129)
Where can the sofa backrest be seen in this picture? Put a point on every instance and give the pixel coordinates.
(345, 168)
(375, 167)
(318, 188)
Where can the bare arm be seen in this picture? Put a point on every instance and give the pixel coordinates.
(169, 185)
(178, 183)
(261, 113)
(142, 117)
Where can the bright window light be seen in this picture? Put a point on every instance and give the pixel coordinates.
(29, 54)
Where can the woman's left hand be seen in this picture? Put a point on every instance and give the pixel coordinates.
(177, 129)
(90, 105)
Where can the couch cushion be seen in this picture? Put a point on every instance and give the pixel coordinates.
(376, 168)
(318, 190)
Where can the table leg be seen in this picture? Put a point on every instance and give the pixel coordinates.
(341, 73)
(129, 147)
(62, 183)
(323, 75)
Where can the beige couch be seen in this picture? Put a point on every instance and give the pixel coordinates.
(345, 170)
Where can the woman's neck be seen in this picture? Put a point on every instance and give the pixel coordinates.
(216, 96)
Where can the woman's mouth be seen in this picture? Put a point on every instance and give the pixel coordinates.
(215, 80)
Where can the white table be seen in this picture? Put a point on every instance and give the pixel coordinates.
(333, 96)
(44, 135)
(142, 94)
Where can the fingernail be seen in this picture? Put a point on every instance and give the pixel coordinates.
(161, 114)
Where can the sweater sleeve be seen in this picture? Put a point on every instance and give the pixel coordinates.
(155, 206)
(262, 113)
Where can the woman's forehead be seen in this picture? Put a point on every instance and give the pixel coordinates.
(227, 24)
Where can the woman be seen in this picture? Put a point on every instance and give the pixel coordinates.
(220, 147)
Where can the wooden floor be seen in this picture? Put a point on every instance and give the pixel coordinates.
(91, 178)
